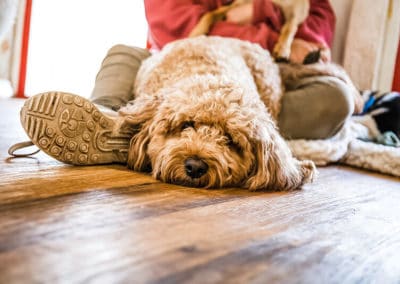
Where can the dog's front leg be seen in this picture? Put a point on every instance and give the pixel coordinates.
(283, 46)
(208, 19)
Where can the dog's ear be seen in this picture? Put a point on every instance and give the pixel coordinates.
(138, 117)
(274, 167)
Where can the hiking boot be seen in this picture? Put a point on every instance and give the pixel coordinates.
(72, 130)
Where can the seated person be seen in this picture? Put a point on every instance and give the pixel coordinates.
(316, 108)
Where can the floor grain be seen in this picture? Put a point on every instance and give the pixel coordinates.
(67, 224)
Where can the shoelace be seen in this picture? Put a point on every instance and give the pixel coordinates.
(19, 146)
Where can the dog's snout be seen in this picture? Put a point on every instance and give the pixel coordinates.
(195, 168)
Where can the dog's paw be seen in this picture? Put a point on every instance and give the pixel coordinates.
(308, 171)
(281, 60)
(281, 52)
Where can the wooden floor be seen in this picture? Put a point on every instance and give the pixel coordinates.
(105, 224)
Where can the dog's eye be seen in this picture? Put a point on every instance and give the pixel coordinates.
(229, 140)
(235, 146)
(187, 124)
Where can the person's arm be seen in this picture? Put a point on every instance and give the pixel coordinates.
(259, 33)
(170, 20)
(319, 26)
(174, 19)
(316, 32)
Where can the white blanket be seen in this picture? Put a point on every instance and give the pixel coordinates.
(345, 148)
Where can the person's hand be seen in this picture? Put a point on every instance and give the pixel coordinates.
(242, 14)
(301, 48)
(326, 54)
(358, 103)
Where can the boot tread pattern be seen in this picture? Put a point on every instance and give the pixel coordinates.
(72, 130)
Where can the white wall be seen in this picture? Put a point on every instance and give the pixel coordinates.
(8, 17)
(69, 39)
(366, 40)
(342, 10)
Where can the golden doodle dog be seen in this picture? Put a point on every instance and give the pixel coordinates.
(294, 11)
(204, 116)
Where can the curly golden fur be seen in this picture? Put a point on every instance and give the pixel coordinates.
(215, 101)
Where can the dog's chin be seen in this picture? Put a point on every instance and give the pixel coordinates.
(202, 182)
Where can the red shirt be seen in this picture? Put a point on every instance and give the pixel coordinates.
(170, 20)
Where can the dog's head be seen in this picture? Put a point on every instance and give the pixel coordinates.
(208, 136)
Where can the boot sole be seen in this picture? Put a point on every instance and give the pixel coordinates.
(72, 130)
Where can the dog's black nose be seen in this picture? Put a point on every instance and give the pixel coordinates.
(195, 168)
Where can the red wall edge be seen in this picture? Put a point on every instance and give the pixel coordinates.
(24, 50)
(396, 79)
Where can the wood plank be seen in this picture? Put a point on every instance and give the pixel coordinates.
(342, 232)
(66, 224)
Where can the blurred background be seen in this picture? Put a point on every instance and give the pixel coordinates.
(67, 44)
(59, 44)
(68, 40)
